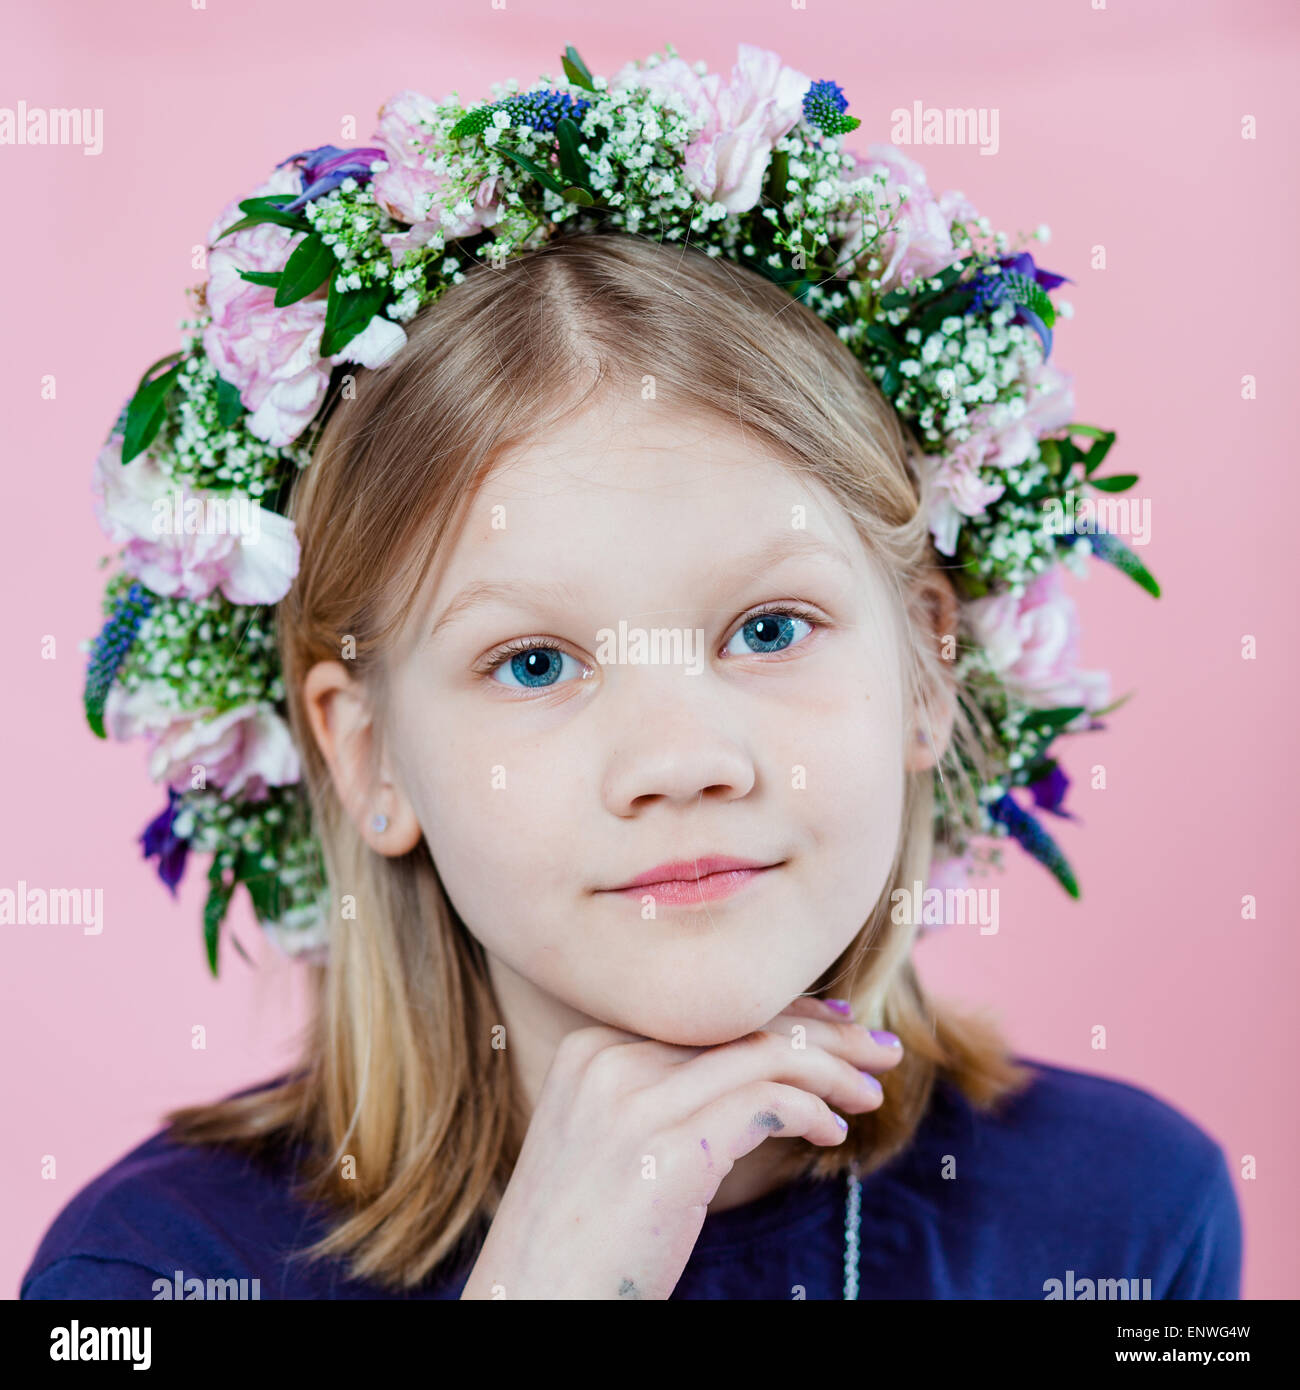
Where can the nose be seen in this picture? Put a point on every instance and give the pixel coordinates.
(673, 743)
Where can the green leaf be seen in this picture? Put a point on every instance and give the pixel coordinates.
(268, 894)
(1033, 297)
(947, 278)
(262, 277)
(161, 362)
(543, 176)
(948, 305)
(1113, 706)
(576, 70)
(1061, 870)
(264, 890)
(1117, 482)
(1054, 718)
(1070, 452)
(573, 168)
(243, 954)
(1110, 548)
(268, 202)
(260, 210)
(144, 416)
(879, 334)
(347, 314)
(891, 381)
(305, 271)
(472, 122)
(214, 912)
(229, 406)
(1092, 459)
(578, 195)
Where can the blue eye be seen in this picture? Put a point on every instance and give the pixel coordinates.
(768, 632)
(533, 667)
(535, 664)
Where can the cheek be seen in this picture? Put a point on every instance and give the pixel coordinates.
(496, 819)
(851, 756)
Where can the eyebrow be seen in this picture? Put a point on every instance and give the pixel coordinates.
(786, 546)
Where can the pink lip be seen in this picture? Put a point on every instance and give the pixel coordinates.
(695, 880)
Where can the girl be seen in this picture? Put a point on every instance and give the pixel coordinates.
(574, 1041)
(617, 622)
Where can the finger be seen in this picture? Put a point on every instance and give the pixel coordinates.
(853, 1041)
(766, 1056)
(726, 1129)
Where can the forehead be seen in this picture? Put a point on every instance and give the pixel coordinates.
(631, 498)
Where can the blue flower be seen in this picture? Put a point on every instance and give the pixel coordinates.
(824, 104)
(1015, 281)
(542, 110)
(109, 650)
(1026, 831)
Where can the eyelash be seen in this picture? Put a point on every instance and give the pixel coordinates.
(519, 645)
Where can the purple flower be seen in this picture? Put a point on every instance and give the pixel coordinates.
(158, 838)
(1011, 282)
(325, 167)
(1049, 792)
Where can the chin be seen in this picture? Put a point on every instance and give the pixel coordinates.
(697, 1023)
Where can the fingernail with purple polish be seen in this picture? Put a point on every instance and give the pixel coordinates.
(885, 1039)
(841, 1006)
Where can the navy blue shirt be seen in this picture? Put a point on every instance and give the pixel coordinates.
(1079, 1178)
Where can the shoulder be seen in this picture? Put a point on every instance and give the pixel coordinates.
(1081, 1164)
(164, 1207)
(1096, 1115)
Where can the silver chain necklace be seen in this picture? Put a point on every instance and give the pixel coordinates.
(852, 1220)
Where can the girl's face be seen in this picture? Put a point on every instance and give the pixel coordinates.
(753, 710)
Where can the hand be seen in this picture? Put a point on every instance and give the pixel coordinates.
(630, 1139)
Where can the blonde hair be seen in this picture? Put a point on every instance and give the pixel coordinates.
(398, 1070)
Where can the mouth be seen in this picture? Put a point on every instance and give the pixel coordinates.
(696, 880)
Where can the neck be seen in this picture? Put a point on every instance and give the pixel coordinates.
(536, 1023)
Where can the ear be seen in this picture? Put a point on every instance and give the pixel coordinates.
(342, 723)
(930, 729)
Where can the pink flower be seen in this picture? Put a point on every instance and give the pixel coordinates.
(727, 160)
(244, 751)
(272, 355)
(919, 240)
(1032, 642)
(410, 192)
(998, 441)
(174, 544)
(959, 489)
(1049, 404)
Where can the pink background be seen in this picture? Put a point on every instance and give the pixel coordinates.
(1118, 127)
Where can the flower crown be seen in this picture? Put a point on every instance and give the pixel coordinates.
(322, 265)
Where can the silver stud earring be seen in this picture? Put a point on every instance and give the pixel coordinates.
(379, 823)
